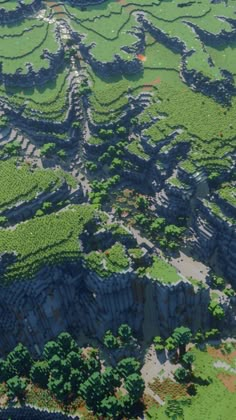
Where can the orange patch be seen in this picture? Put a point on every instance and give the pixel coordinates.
(229, 381)
(158, 80)
(217, 354)
(141, 57)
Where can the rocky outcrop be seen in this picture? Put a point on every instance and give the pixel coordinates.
(30, 413)
(32, 77)
(216, 237)
(22, 10)
(74, 299)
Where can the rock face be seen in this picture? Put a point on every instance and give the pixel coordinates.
(72, 298)
(29, 413)
(216, 235)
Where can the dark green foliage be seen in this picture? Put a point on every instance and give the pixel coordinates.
(66, 343)
(182, 336)
(67, 373)
(128, 366)
(213, 333)
(135, 386)
(216, 310)
(39, 373)
(12, 148)
(110, 407)
(158, 343)
(125, 333)
(110, 341)
(188, 359)
(92, 391)
(218, 282)
(181, 374)
(51, 349)
(20, 360)
(47, 149)
(174, 410)
(16, 387)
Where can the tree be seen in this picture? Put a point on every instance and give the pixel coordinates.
(182, 336)
(66, 343)
(39, 373)
(174, 410)
(6, 370)
(157, 225)
(47, 149)
(216, 310)
(20, 360)
(170, 344)
(125, 333)
(110, 407)
(135, 385)
(142, 203)
(76, 360)
(110, 341)
(199, 337)
(110, 380)
(128, 366)
(16, 387)
(60, 388)
(188, 359)
(181, 374)
(92, 392)
(76, 379)
(51, 349)
(158, 343)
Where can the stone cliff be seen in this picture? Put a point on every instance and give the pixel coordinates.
(72, 298)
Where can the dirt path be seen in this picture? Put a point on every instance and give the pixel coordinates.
(153, 368)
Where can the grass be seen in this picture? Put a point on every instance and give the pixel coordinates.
(23, 184)
(213, 401)
(163, 272)
(47, 240)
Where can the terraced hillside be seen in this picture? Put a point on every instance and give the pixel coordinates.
(117, 163)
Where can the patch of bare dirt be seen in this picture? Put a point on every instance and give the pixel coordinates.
(229, 381)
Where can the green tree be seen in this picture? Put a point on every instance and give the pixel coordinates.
(158, 343)
(188, 359)
(174, 410)
(110, 380)
(135, 385)
(142, 203)
(110, 407)
(92, 392)
(20, 360)
(216, 310)
(16, 387)
(60, 388)
(39, 373)
(125, 333)
(170, 344)
(157, 225)
(128, 366)
(110, 341)
(51, 349)
(182, 336)
(47, 149)
(181, 374)
(66, 343)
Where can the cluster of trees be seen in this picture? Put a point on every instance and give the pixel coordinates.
(182, 336)
(168, 236)
(67, 373)
(100, 189)
(124, 337)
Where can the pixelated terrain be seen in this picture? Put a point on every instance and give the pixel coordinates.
(118, 187)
